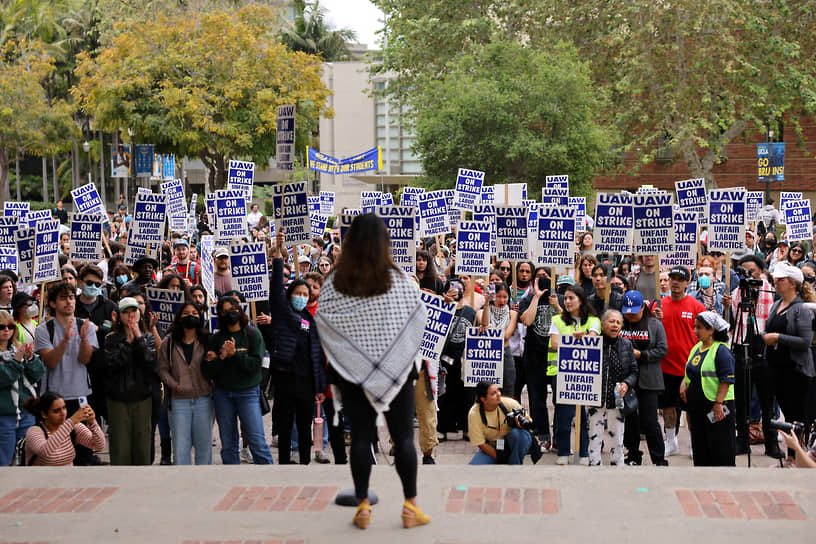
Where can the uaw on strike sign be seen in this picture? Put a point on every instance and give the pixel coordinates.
(580, 370)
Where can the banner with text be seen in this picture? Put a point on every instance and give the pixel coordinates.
(726, 220)
(484, 356)
(580, 367)
(86, 238)
(653, 223)
(439, 316)
(473, 248)
(400, 222)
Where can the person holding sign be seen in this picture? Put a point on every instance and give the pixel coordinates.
(500, 435)
(296, 359)
(371, 322)
(620, 373)
(708, 391)
(577, 319)
(497, 314)
(233, 363)
(130, 359)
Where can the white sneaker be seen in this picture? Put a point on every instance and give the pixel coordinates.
(246, 457)
(671, 447)
(322, 457)
(583, 461)
(562, 460)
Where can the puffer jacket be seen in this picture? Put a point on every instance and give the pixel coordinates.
(132, 368)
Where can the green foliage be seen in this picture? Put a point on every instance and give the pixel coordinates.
(204, 85)
(311, 34)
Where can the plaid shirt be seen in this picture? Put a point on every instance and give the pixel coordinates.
(763, 307)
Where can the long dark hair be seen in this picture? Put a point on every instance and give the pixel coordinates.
(365, 264)
(176, 329)
(170, 276)
(430, 275)
(236, 305)
(37, 405)
(584, 311)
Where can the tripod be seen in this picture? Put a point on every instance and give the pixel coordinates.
(745, 331)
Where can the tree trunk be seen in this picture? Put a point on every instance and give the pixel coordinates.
(701, 167)
(4, 176)
(55, 179)
(45, 179)
(17, 175)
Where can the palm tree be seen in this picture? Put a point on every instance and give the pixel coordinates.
(310, 33)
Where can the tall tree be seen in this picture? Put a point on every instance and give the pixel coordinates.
(696, 74)
(514, 112)
(203, 85)
(311, 33)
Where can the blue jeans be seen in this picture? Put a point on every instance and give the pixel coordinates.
(191, 422)
(11, 431)
(518, 441)
(245, 405)
(562, 426)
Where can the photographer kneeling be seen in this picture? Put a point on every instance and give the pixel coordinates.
(498, 428)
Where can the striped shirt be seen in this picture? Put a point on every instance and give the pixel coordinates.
(57, 449)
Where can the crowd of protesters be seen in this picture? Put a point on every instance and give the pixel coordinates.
(84, 367)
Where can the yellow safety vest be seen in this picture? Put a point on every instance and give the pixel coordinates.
(564, 330)
(708, 371)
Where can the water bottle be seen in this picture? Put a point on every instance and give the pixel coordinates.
(618, 397)
(317, 430)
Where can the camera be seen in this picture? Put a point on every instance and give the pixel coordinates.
(796, 427)
(748, 286)
(517, 415)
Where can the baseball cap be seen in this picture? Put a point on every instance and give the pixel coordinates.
(181, 242)
(632, 302)
(304, 259)
(221, 252)
(565, 280)
(127, 302)
(681, 271)
(784, 269)
(20, 298)
(783, 241)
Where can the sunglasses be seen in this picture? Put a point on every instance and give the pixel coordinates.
(796, 250)
(94, 283)
(7, 327)
(504, 268)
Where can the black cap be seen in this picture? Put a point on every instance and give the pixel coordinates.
(146, 259)
(20, 299)
(681, 271)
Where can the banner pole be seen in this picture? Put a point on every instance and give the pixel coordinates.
(577, 433)
(658, 296)
(43, 298)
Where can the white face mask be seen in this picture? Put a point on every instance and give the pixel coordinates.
(32, 310)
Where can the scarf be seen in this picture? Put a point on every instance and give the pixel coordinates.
(373, 341)
(500, 317)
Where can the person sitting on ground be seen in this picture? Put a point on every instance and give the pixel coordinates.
(499, 440)
(51, 441)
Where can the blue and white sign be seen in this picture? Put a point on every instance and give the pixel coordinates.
(580, 378)
(685, 240)
(318, 223)
(285, 137)
(784, 197)
(168, 167)
(754, 201)
(176, 204)
(551, 196)
(143, 190)
(454, 215)
(387, 199)
(512, 240)
(46, 244)
(484, 356)
(433, 214)
(410, 196)
(532, 226)
(24, 243)
(344, 221)
(691, 194)
(327, 203)
(250, 275)
(241, 175)
(8, 226)
(555, 245)
(292, 212)
(230, 210)
(473, 248)
(143, 159)
(32, 218)
(86, 238)
(798, 221)
(488, 195)
(400, 222)
(579, 203)
(87, 200)
(164, 303)
(149, 214)
(208, 265)
(314, 204)
(557, 182)
(439, 317)
(726, 220)
(370, 200)
(209, 206)
(486, 213)
(16, 209)
(653, 225)
(134, 250)
(8, 259)
(468, 188)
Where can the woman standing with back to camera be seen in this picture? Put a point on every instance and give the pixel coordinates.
(371, 319)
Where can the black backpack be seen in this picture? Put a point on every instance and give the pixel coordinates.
(20, 449)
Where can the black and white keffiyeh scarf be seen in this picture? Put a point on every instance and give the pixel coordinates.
(373, 341)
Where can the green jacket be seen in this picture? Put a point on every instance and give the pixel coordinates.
(242, 370)
(17, 382)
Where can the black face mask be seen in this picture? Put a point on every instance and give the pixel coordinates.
(231, 318)
(191, 322)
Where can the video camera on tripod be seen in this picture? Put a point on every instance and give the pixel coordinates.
(749, 288)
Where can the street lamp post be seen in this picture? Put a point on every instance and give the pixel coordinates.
(768, 180)
(87, 148)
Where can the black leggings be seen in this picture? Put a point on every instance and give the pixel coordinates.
(293, 408)
(362, 418)
(644, 419)
(336, 438)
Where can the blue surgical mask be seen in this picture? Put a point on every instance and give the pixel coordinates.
(298, 302)
(91, 291)
(704, 282)
(122, 279)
